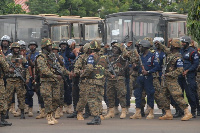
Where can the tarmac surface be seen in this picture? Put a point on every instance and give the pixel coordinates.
(114, 125)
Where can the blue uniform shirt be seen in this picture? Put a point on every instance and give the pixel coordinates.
(160, 56)
(66, 62)
(150, 63)
(190, 59)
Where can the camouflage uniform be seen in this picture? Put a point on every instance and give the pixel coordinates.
(4, 68)
(117, 84)
(14, 82)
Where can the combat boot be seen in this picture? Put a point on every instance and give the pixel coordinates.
(102, 117)
(30, 112)
(150, 115)
(137, 114)
(168, 115)
(26, 109)
(193, 111)
(178, 113)
(57, 113)
(187, 115)
(53, 118)
(49, 119)
(87, 112)
(95, 121)
(22, 114)
(123, 114)
(116, 110)
(61, 111)
(12, 108)
(18, 113)
(111, 113)
(147, 110)
(42, 114)
(142, 112)
(73, 115)
(68, 109)
(7, 114)
(3, 121)
(80, 116)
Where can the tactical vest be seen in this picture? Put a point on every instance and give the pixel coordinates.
(99, 67)
(171, 62)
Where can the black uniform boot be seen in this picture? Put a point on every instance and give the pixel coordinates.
(73, 115)
(3, 121)
(163, 112)
(1, 124)
(87, 112)
(22, 114)
(198, 112)
(142, 112)
(95, 121)
(7, 114)
(178, 113)
(193, 111)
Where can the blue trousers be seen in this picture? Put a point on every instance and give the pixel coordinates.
(144, 82)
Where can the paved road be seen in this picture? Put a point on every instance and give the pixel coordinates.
(114, 125)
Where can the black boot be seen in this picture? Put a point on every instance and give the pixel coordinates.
(7, 114)
(163, 112)
(22, 114)
(1, 124)
(87, 112)
(198, 112)
(142, 112)
(73, 115)
(178, 113)
(193, 111)
(3, 121)
(95, 121)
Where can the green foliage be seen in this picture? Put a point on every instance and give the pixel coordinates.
(42, 6)
(193, 21)
(9, 7)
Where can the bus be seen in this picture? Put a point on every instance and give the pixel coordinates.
(36, 27)
(135, 25)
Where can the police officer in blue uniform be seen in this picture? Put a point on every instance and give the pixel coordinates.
(148, 65)
(190, 65)
(31, 56)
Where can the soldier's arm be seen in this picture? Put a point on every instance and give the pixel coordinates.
(195, 61)
(44, 69)
(78, 65)
(4, 64)
(179, 70)
(89, 68)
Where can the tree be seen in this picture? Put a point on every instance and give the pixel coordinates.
(193, 21)
(42, 6)
(9, 7)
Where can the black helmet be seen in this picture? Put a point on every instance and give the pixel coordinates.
(185, 39)
(33, 43)
(63, 41)
(145, 44)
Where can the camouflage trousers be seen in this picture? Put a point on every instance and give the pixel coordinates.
(157, 87)
(83, 85)
(61, 103)
(116, 87)
(3, 101)
(198, 84)
(173, 89)
(18, 85)
(50, 91)
(94, 99)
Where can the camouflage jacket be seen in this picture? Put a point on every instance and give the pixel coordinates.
(4, 67)
(19, 61)
(44, 66)
(80, 64)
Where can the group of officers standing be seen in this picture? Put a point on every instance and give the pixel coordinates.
(61, 75)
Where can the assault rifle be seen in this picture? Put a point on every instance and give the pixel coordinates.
(17, 72)
(110, 67)
(57, 68)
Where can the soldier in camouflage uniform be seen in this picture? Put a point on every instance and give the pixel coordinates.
(117, 86)
(49, 88)
(95, 72)
(13, 80)
(60, 60)
(170, 86)
(3, 103)
(79, 66)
